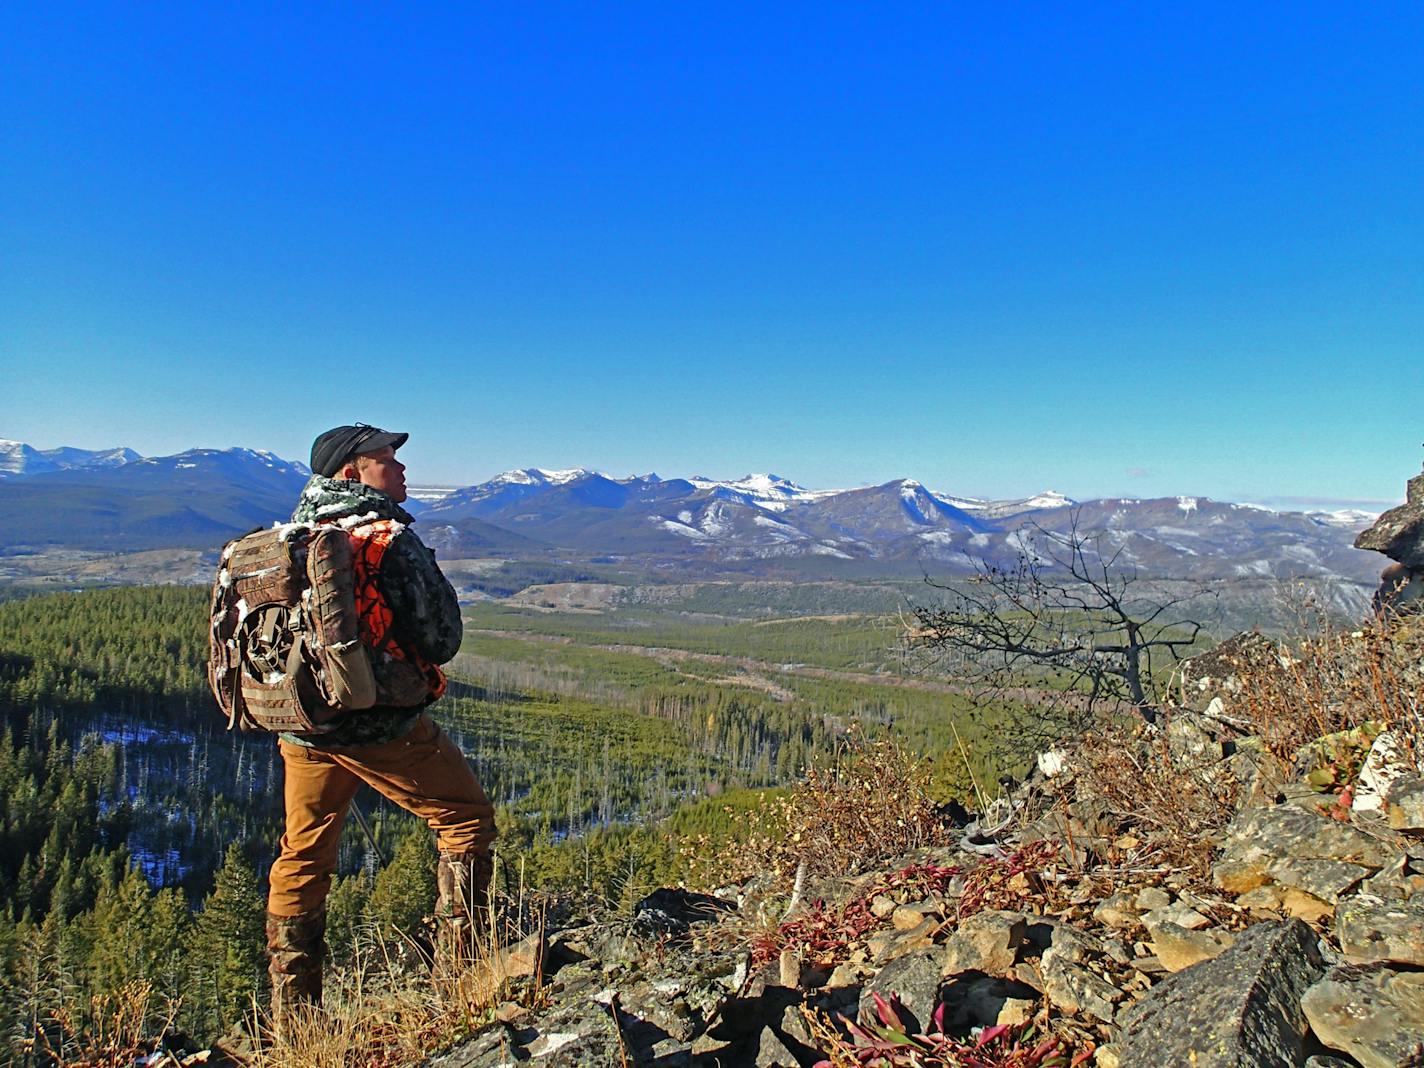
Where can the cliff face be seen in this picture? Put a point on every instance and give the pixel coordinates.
(1180, 894)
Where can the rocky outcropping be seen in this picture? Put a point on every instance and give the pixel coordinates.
(1301, 944)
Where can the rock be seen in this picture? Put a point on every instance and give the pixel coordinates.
(1073, 988)
(1117, 951)
(1289, 832)
(673, 911)
(887, 945)
(772, 1052)
(1178, 914)
(843, 975)
(1371, 1012)
(1323, 879)
(908, 917)
(1116, 911)
(1303, 906)
(1238, 1010)
(1067, 942)
(1152, 897)
(1406, 804)
(974, 999)
(1263, 898)
(1190, 742)
(985, 942)
(915, 979)
(1238, 877)
(789, 967)
(1178, 948)
(1324, 1060)
(1381, 930)
(1384, 766)
(1400, 881)
(1399, 533)
(520, 960)
(881, 906)
(1107, 1056)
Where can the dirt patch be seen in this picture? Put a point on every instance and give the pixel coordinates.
(568, 597)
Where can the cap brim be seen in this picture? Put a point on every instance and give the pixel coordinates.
(381, 440)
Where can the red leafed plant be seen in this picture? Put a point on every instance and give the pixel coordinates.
(1004, 883)
(890, 1044)
(822, 935)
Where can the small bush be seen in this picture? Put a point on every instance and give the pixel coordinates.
(869, 804)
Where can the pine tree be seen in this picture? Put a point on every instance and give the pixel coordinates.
(228, 964)
(404, 893)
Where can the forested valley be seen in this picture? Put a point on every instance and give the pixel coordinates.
(135, 830)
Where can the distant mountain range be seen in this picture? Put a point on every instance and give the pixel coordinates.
(762, 525)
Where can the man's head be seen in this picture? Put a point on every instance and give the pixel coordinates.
(362, 453)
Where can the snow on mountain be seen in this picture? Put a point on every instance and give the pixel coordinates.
(540, 476)
(766, 490)
(18, 459)
(999, 509)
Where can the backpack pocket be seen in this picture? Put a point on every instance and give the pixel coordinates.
(350, 683)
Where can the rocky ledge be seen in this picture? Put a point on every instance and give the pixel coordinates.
(1055, 939)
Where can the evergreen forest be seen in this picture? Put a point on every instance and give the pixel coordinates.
(135, 830)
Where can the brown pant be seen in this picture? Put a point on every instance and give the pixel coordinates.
(424, 772)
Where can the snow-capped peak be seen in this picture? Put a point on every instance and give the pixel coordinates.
(772, 492)
(541, 476)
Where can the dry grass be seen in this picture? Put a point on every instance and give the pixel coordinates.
(1329, 682)
(394, 1007)
(869, 803)
(119, 1032)
(1337, 680)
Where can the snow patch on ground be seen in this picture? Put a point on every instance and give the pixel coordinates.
(1187, 504)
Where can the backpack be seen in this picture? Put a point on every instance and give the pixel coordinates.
(284, 642)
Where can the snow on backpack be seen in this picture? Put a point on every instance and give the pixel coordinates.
(284, 646)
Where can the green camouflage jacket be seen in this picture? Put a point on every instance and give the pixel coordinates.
(426, 614)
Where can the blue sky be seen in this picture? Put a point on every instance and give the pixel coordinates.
(1113, 250)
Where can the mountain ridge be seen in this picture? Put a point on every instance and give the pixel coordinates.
(758, 523)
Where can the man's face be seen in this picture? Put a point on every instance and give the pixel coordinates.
(381, 470)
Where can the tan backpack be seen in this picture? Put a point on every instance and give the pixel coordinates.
(284, 645)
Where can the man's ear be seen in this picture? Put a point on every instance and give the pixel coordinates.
(348, 473)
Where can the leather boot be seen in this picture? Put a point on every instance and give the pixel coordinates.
(296, 948)
(462, 911)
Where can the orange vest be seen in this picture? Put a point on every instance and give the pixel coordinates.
(369, 542)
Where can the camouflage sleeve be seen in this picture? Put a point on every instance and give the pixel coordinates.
(427, 614)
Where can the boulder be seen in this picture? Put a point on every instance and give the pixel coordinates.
(986, 942)
(1239, 1010)
(1072, 988)
(1399, 533)
(1370, 930)
(1179, 948)
(1321, 878)
(974, 999)
(1384, 766)
(673, 911)
(915, 980)
(1371, 1012)
(1288, 832)
(1406, 804)
(1116, 911)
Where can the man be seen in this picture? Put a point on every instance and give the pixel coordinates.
(410, 622)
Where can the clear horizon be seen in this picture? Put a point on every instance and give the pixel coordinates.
(1136, 253)
(416, 482)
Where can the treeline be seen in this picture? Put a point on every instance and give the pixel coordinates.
(135, 831)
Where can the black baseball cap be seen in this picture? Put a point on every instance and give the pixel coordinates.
(339, 444)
